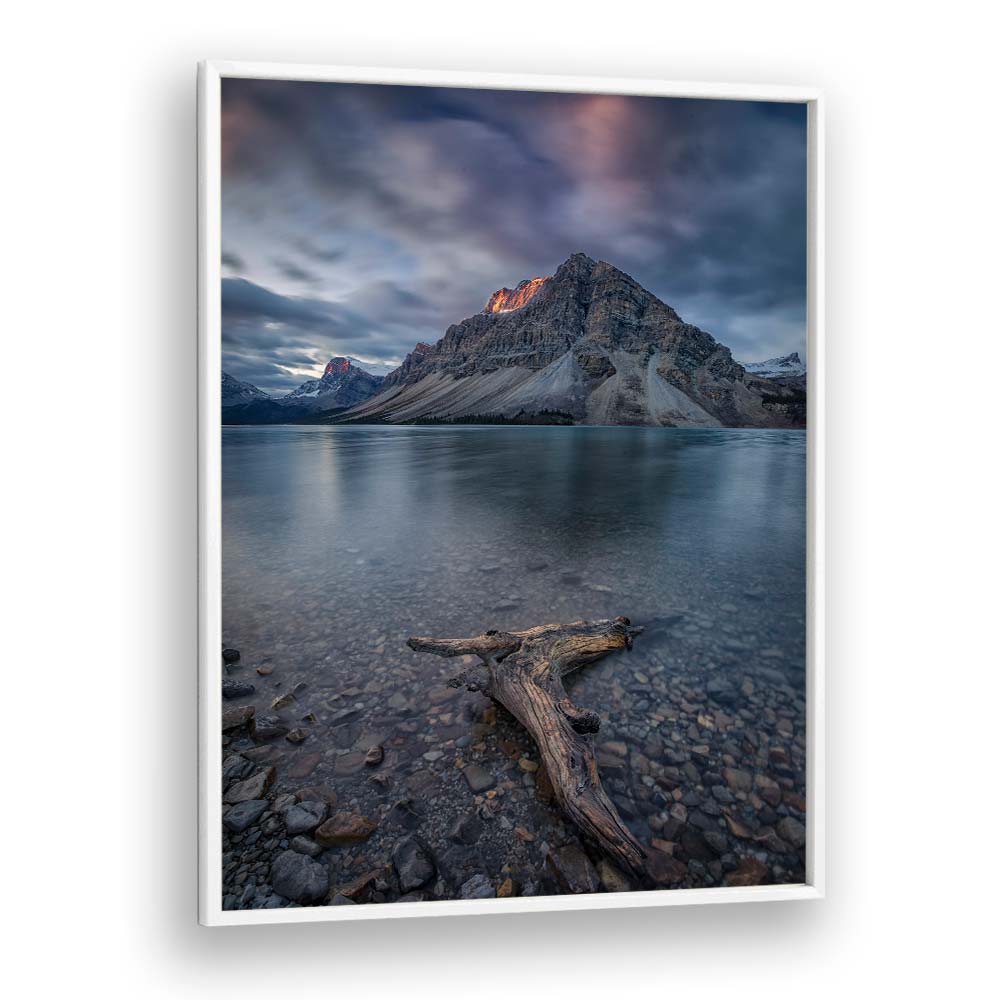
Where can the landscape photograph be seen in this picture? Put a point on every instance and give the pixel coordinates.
(513, 420)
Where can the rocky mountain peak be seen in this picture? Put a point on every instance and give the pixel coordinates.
(588, 343)
(576, 264)
(508, 299)
(337, 366)
(235, 392)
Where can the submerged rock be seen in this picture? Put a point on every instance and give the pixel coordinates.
(236, 689)
(304, 817)
(414, 864)
(299, 878)
(479, 778)
(306, 846)
(236, 718)
(792, 830)
(251, 788)
(344, 828)
(270, 727)
(573, 870)
(751, 871)
(477, 887)
(244, 815)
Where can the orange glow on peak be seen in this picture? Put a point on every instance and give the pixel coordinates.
(507, 299)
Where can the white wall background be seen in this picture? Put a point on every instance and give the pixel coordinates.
(98, 317)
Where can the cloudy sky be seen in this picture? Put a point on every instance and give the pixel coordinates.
(360, 219)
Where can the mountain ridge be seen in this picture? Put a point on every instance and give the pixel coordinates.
(588, 341)
(342, 385)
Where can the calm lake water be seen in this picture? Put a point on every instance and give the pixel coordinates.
(400, 529)
(340, 542)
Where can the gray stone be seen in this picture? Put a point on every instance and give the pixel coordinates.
(235, 767)
(252, 788)
(244, 815)
(413, 863)
(299, 878)
(467, 830)
(236, 689)
(716, 840)
(792, 830)
(477, 887)
(303, 845)
(270, 727)
(304, 817)
(721, 691)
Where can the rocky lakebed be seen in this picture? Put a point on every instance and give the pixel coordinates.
(354, 774)
(358, 796)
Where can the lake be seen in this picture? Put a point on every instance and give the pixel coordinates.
(340, 542)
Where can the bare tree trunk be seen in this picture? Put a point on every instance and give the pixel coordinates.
(524, 671)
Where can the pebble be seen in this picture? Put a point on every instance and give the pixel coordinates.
(478, 778)
(791, 830)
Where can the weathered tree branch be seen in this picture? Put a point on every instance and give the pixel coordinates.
(524, 672)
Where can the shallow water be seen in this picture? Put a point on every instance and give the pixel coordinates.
(340, 542)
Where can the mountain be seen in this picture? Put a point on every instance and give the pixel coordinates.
(237, 393)
(790, 366)
(589, 345)
(343, 384)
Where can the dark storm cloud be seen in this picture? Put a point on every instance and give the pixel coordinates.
(294, 272)
(409, 206)
(232, 261)
(242, 298)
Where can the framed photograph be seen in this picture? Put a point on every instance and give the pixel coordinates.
(511, 493)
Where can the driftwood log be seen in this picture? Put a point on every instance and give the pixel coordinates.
(524, 671)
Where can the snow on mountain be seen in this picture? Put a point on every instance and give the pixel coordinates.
(789, 366)
(343, 384)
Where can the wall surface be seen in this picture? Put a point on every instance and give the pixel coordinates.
(99, 238)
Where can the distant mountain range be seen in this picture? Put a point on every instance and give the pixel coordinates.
(586, 345)
(342, 385)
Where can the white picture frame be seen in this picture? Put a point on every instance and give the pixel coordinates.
(210, 75)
